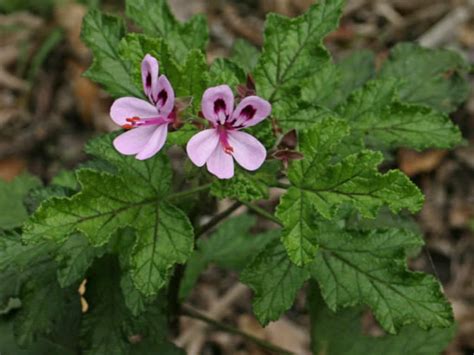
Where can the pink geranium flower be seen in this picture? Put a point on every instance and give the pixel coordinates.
(218, 146)
(146, 122)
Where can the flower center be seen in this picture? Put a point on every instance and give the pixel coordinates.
(224, 139)
(135, 121)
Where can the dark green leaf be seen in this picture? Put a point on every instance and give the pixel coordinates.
(341, 333)
(156, 19)
(12, 195)
(432, 77)
(275, 281)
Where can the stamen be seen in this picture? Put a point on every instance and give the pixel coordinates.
(138, 122)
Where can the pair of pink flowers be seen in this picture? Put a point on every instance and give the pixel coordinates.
(217, 147)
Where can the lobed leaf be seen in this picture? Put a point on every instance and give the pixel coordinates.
(275, 281)
(102, 34)
(341, 333)
(369, 267)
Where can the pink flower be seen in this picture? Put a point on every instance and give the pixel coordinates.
(147, 122)
(220, 145)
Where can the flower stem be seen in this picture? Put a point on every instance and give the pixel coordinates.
(282, 185)
(192, 313)
(186, 193)
(262, 213)
(217, 218)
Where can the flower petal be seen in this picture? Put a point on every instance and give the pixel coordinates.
(150, 70)
(202, 145)
(217, 103)
(155, 143)
(248, 151)
(221, 164)
(165, 96)
(250, 111)
(127, 107)
(133, 141)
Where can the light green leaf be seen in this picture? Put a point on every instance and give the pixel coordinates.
(341, 333)
(370, 268)
(102, 34)
(12, 195)
(372, 114)
(107, 203)
(245, 54)
(232, 247)
(292, 50)
(156, 19)
(152, 176)
(275, 281)
(320, 187)
(439, 81)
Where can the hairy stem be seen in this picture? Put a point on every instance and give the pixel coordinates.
(260, 211)
(192, 313)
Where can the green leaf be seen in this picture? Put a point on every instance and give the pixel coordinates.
(369, 267)
(107, 203)
(440, 76)
(101, 326)
(152, 176)
(74, 258)
(225, 71)
(232, 247)
(275, 281)
(161, 244)
(19, 263)
(355, 70)
(156, 19)
(44, 303)
(246, 186)
(102, 34)
(341, 333)
(371, 112)
(245, 54)
(194, 78)
(320, 187)
(292, 50)
(333, 83)
(8, 345)
(12, 195)
(300, 115)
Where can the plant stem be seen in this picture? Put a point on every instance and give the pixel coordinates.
(282, 185)
(262, 213)
(192, 313)
(189, 192)
(216, 219)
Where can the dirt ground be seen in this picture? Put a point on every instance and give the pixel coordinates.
(48, 111)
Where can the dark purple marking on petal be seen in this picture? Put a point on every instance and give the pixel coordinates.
(219, 105)
(162, 96)
(248, 112)
(148, 80)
